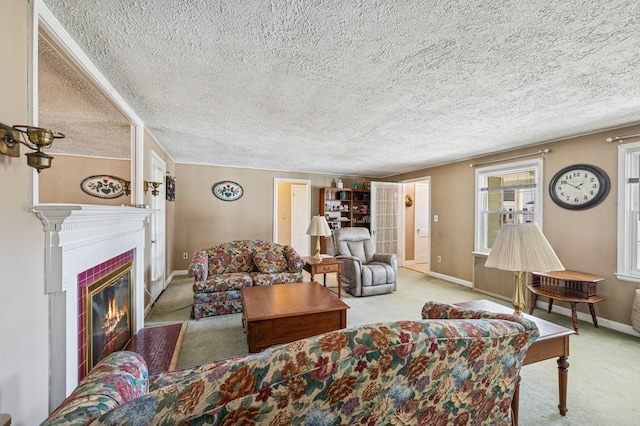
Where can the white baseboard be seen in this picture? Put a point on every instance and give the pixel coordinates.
(623, 328)
(450, 279)
(602, 322)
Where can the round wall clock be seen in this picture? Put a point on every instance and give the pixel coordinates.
(579, 186)
(227, 190)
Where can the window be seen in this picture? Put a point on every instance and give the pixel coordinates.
(507, 193)
(628, 209)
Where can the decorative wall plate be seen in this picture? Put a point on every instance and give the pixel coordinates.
(103, 186)
(227, 190)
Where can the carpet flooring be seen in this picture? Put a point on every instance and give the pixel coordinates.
(159, 345)
(604, 367)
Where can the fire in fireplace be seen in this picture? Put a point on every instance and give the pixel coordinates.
(110, 326)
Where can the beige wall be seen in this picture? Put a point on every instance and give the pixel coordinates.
(61, 183)
(584, 240)
(201, 220)
(23, 305)
(410, 223)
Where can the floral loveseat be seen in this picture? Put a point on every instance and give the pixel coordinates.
(221, 271)
(461, 368)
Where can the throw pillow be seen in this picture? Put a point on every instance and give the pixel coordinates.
(270, 261)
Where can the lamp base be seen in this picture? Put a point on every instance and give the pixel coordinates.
(317, 256)
(518, 295)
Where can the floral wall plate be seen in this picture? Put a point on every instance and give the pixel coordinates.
(227, 190)
(103, 186)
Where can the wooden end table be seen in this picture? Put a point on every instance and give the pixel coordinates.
(328, 265)
(282, 313)
(552, 342)
(567, 286)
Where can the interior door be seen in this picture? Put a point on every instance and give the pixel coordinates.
(292, 213)
(422, 222)
(300, 218)
(157, 227)
(385, 229)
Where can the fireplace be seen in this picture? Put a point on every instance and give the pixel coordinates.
(108, 308)
(84, 244)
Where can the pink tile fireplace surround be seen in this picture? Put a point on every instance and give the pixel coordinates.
(77, 239)
(85, 279)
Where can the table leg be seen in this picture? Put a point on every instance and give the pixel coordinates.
(324, 279)
(550, 305)
(515, 403)
(574, 316)
(563, 375)
(593, 314)
(534, 300)
(339, 275)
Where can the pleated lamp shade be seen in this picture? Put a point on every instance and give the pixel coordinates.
(318, 227)
(523, 247)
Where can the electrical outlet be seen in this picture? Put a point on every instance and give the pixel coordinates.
(185, 255)
(438, 258)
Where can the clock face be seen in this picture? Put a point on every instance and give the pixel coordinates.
(580, 186)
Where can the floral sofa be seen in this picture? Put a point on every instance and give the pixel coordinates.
(459, 368)
(221, 271)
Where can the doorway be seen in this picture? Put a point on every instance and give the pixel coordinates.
(157, 226)
(417, 224)
(292, 214)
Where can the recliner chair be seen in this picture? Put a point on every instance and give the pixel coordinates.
(364, 272)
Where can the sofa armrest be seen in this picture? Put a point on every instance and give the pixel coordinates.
(294, 261)
(118, 378)
(389, 259)
(199, 267)
(437, 310)
(167, 378)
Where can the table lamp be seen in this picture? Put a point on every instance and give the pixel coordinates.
(522, 248)
(318, 228)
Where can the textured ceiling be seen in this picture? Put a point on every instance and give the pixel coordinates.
(362, 87)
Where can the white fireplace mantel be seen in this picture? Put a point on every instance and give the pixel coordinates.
(78, 237)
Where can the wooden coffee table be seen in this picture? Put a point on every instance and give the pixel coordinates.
(552, 342)
(283, 313)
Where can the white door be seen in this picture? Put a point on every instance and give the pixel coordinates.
(157, 226)
(300, 218)
(422, 228)
(385, 229)
(294, 215)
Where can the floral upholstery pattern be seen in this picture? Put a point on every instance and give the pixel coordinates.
(118, 378)
(221, 271)
(270, 261)
(442, 371)
(223, 282)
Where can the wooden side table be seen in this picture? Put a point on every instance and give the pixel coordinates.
(567, 286)
(328, 265)
(553, 341)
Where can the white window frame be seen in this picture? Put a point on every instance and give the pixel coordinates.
(628, 268)
(482, 175)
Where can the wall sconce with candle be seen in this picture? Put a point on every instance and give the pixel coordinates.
(34, 138)
(155, 186)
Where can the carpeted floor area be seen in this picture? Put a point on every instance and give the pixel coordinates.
(604, 364)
